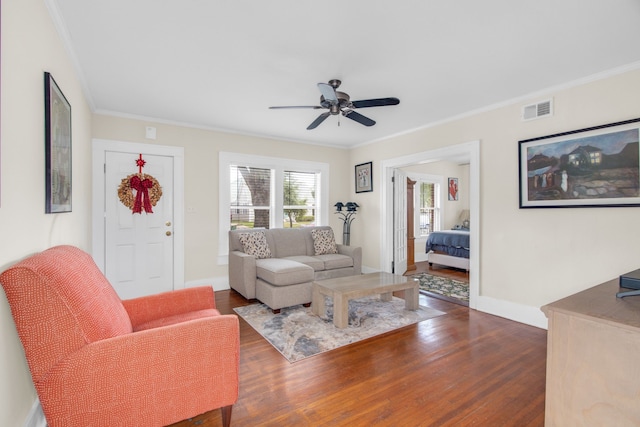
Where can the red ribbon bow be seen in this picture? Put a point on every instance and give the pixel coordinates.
(142, 187)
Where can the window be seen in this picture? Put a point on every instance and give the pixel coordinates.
(251, 202)
(269, 192)
(427, 204)
(299, 195)
(250, 197)
(427, 208)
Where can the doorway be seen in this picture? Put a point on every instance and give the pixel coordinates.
(141, 253)
(469, 151)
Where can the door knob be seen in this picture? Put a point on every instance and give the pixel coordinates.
(168, 223)
(168, 233)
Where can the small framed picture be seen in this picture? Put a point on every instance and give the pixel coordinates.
(364, 178)
(453, 189)
(57, 149)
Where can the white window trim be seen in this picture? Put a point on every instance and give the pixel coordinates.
(278, 164)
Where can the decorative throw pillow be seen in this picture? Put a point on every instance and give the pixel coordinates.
(324, 242)
(255, 243)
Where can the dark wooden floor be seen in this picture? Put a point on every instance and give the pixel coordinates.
(462, 368)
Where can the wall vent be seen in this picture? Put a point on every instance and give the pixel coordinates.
(537, 111)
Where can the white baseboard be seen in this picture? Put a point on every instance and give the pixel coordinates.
(421, 257)
(517, 312)
(367, 270)
(36, 416)
(218, 283)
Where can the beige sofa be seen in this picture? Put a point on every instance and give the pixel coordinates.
(278, 266)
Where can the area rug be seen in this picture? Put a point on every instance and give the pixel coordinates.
(297, 333)
(443, 286)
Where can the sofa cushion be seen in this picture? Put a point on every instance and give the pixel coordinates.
(333, 261)
(324, 242)
(282, 272)
(255, 243)
(311, 261)
(288, 242)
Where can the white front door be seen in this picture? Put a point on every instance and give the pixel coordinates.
(138, 246)
(399, 222)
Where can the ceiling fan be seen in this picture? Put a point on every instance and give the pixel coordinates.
(339, 102)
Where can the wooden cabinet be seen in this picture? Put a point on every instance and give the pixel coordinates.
(593, 359)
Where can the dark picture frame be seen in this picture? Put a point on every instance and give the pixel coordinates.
(364, 177)
(57, 124)
(593, 167)
(452, 189)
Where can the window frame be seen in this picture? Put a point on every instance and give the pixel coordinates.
(428, 179)
(278, 166)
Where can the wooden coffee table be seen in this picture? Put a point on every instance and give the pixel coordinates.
(344, 289)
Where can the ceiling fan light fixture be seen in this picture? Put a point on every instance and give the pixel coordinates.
(339, 102)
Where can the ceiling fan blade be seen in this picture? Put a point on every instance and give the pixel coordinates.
(379, 102)
(328, 92)
(315, 107)
(359, 118)
(319, 120)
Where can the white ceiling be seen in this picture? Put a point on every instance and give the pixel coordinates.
(220, 64)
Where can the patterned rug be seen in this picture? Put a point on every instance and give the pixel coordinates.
(443, 286)
(297, 333)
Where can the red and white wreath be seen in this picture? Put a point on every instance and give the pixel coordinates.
(139, 191)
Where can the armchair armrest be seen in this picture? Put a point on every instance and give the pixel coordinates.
(167, 304)
(243, 273)
(154, 377)
(354, 252)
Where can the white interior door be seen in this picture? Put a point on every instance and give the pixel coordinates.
(139, 248)
(399, 222)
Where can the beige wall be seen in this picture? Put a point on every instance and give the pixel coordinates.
(30, 46)
(201, 149)
(528, 257)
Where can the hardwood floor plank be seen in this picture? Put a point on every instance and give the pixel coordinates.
(462, 368)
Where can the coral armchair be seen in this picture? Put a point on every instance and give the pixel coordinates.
(98, 361)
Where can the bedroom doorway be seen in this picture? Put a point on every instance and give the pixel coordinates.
(469, 152)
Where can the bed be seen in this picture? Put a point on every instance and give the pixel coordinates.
(449, 248)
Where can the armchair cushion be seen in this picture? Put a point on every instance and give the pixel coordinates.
(176, 318)
(167, 304)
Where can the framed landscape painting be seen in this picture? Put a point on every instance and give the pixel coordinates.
(592, 167)
(57, 123)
